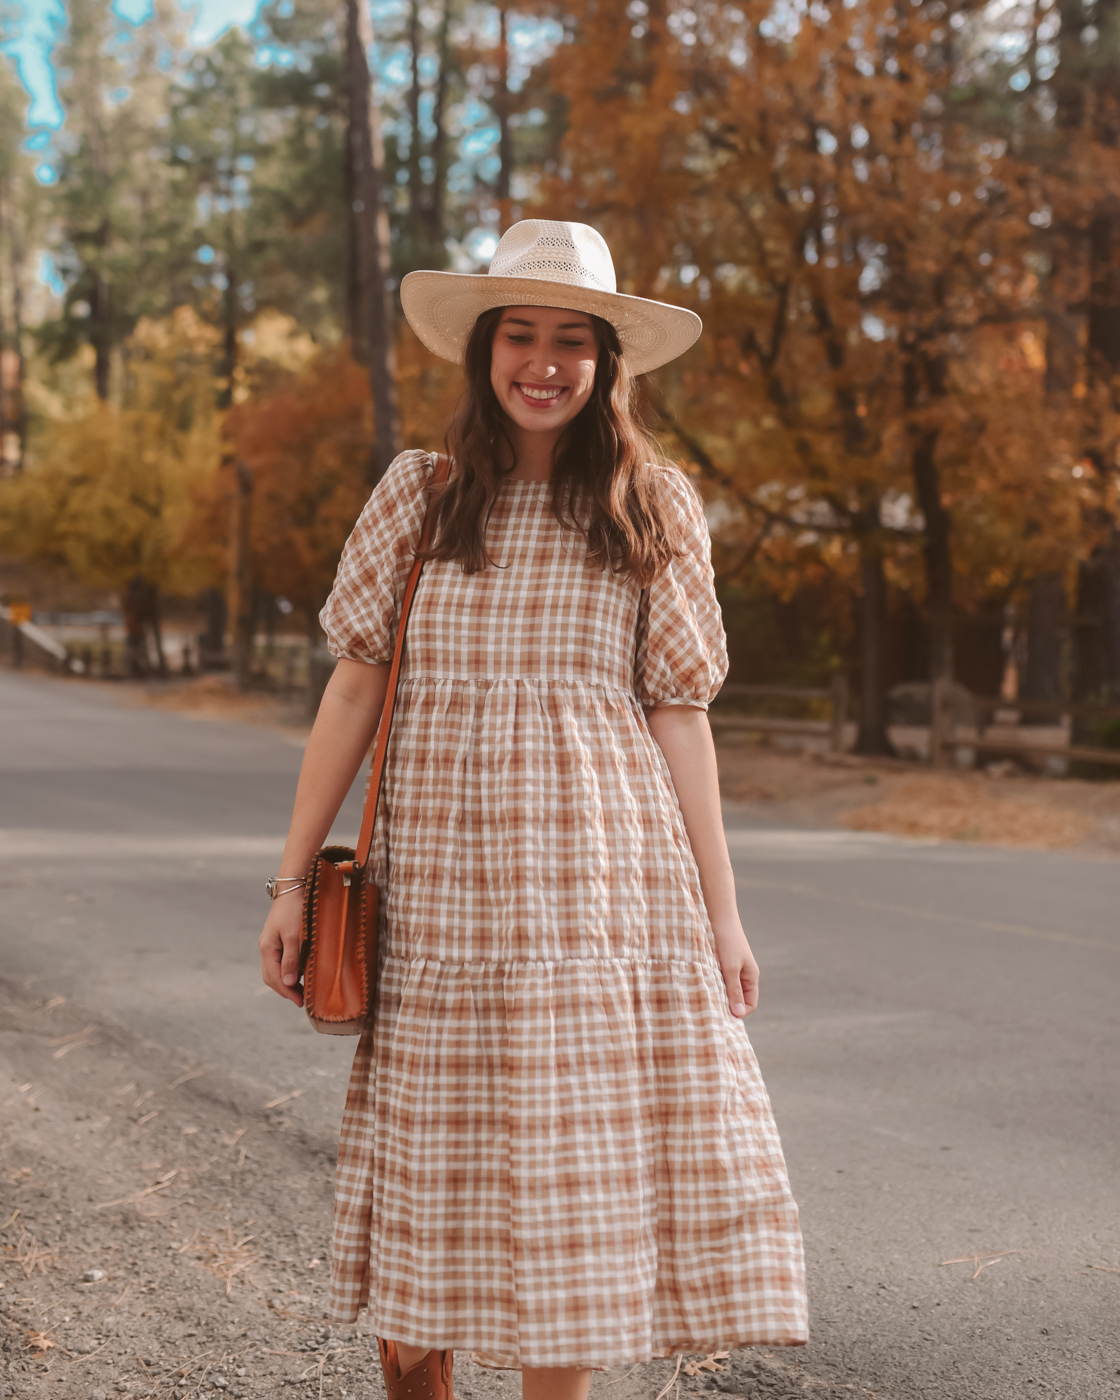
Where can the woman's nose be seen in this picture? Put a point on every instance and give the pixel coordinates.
(541, 364)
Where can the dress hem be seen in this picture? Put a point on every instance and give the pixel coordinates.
(500, 1361)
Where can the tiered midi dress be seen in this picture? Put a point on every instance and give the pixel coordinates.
(557, 1149)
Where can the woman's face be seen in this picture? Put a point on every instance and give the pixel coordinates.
(542, 365)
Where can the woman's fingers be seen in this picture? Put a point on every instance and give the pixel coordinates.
(748, 980)
(741, 979)
(289, 964)
(279, 946)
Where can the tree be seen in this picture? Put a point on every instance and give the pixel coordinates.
(300, 186)
(216, 142)
(305, 444)
(802, 183)
(370, 231)
(21, 206)
(120, 208)
(110, 491)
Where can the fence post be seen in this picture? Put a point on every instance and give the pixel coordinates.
(838, 694)
(939, 722)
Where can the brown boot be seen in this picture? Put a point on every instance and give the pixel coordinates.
(429, 1379)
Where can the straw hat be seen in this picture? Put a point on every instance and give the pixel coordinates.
(542, 263)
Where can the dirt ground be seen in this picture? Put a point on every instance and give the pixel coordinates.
(1002, 806)
(165, 1232)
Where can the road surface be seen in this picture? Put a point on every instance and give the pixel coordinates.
(938, 1028)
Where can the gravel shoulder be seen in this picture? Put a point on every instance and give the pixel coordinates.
(165, 1233)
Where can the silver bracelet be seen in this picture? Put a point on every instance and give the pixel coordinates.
(273, 883)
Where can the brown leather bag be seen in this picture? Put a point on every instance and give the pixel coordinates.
(338, 952)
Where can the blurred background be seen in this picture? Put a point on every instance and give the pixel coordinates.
(899, 222)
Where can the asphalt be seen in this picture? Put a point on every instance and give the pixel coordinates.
(938, 1028)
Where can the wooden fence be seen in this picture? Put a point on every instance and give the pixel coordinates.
(980, 709)
(947, 710)
(832, 729)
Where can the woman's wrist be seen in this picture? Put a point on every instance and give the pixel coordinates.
(727, 925)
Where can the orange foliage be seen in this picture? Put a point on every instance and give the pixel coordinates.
(306, 438)
(799, 178)
(307, 445)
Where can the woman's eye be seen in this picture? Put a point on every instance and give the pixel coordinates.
(518, 339)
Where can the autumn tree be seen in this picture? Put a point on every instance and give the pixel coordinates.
(800, 180)
(111, 488)
(305, 445)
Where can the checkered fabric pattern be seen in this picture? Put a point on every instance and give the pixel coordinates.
(557, 1149)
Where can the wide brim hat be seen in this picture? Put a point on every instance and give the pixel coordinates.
(540, 262)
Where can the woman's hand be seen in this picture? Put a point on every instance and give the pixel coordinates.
(279, 945)
(345, 725)
(740, 971)
(685, 738)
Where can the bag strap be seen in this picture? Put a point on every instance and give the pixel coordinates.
(377, 766)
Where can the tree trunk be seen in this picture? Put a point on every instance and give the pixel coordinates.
(1104, 287)
(1096, 673)
(240, 612)
(368, 159)
(356, 319)
(101, 334)
(229, 335)
(437, 206)
(505, 135)
(17, 336)
(4, 413)
(1046, 625)
(1069, 89)
(872, 737)
(938, 554)
(415, 187)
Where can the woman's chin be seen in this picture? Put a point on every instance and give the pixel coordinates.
(534, 420)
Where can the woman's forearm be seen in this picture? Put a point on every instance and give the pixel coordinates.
(684, 736)
(344, 728)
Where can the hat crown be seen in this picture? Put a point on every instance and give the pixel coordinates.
(543, 250)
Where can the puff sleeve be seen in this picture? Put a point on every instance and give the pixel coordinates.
(681, 654)
(360, 617)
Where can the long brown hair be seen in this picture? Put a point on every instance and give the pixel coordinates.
(607, 474)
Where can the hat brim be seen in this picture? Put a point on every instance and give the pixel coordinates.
(442, 307)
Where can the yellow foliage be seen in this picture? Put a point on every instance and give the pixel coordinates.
(108, 491)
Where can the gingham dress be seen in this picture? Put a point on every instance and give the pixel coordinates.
(557, 1149)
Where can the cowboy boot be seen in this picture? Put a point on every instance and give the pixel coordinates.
(429, 1379)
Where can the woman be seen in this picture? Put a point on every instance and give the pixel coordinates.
(557, 1150)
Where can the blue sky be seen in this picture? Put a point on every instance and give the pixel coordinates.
(41, 21)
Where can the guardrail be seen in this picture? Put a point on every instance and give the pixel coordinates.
(946, 710)
(832, 729)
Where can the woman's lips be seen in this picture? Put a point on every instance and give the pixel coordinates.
(541, 395)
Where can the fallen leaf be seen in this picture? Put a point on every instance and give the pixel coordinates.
(979, 1261)
(273, 1103)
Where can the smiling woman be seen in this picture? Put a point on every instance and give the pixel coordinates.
(558, 1153)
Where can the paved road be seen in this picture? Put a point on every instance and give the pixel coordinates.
(939, 1028)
